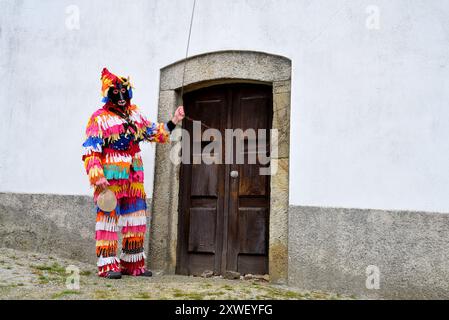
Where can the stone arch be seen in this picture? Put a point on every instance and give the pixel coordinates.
(205, 70)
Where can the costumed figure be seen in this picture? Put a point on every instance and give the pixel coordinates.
(113, 161)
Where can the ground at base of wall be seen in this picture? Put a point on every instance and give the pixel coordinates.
(28, 275)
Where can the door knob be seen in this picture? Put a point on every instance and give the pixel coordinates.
(234, 174)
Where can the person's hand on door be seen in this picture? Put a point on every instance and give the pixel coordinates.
(179, 115)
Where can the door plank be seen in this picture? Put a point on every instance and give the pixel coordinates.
(249, 221)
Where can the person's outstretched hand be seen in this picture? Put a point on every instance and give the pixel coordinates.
(179, 115)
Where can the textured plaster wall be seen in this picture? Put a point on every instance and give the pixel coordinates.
(368, 106)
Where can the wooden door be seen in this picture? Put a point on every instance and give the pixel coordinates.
(224, 208)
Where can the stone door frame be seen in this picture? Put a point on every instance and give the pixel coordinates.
(204, 70)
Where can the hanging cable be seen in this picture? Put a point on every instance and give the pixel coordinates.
(185, 63)
(187, 49)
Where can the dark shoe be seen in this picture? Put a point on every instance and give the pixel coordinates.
(114, 275)
(146, 273)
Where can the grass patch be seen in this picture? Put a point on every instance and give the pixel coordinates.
(64, 293)
(86, 273)
(216, 293)
(55, 268)
(256, 283)
(323, 295)
(194, 296)
(276, 293)
(105, 294)
(188, 295)
(178, 294)
(291, 295)
(102, 294)
(47, 273)
(142, 295)
(43, 279)
(227, 287)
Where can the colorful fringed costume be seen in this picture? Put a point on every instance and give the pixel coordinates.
(112, 154)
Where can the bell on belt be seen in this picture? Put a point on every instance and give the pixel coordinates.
(106, 200)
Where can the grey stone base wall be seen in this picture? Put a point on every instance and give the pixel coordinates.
(330, 249)
(63, 225)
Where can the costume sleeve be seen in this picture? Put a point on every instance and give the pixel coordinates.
(92, 152)
(156, 132)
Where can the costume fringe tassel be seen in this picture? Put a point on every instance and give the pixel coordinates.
(132, 257)
(105, 261)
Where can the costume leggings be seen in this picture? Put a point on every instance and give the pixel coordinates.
(129, 217)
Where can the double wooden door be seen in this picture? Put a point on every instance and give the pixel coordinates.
(224, 208)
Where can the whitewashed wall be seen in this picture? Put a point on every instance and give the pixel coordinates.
(369, 106)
